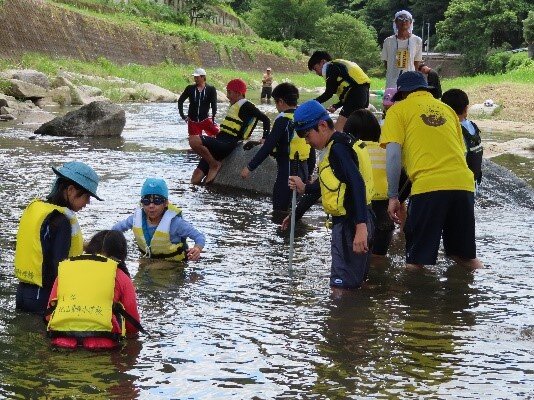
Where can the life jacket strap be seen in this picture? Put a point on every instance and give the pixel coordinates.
(119, 309)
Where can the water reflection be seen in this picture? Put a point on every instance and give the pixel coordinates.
(235, 325)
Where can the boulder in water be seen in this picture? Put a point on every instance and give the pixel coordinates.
(261, 180)
(98, 118)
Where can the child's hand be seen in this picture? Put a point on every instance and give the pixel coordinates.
(193, 254)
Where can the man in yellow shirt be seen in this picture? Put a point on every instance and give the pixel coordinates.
(423, 135)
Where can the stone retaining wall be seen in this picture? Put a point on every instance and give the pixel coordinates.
(41, 27)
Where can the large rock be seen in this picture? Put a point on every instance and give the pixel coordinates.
(29, 76)
(261, 180)
(221, 97)
(154, 93)
(98, 118)
(24, 90)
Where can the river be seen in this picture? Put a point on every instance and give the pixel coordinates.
(235, 326)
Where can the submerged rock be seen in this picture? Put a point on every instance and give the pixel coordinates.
(98, 118)
(261, 180)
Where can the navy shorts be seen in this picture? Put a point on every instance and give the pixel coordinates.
(349, 270)
(219, 149)
(445, 213)
(356, 98)
(384, 227)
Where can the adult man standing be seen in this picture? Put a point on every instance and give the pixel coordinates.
(238, 124)
(266, 86)
(432, 79)
(426, 135)
(344, 78)
(201, 97)
(402, 51)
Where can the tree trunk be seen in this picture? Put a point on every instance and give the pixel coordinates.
(531, 50)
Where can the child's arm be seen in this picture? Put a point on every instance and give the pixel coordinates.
(180, 229)
(124, 225)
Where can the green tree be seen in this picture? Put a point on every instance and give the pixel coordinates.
(286, 19)
(473, 27)
(528, 33)
(345, 36)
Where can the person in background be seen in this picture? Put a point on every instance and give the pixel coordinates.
(266, 86)
(387, 101)
(159, 228)
(458, 100)
(363, 125)
(284, 145)
(344, 78)
(49, 233)
(93, 302)
(432, 78)
(238, 124)
(425, 134)
(346, 185)
(402, 51)
(201, 98)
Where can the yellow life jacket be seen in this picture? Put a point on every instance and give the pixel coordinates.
(84, 305)
(29, 249)
(234, 126)
(377, 155)
(333, 190)
(160, 245)
(352, 75)
(296, 143)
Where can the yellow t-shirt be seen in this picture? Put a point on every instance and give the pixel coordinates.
(433, 149)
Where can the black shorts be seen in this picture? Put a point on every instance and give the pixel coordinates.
(266, 92)
(445, 213)
(220, 148)
(356, 98)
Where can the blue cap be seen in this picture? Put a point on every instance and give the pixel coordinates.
(81, 174)
(155, 186)
(409, 81)
(308, 114)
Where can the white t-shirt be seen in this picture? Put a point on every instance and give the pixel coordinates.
(400, 55)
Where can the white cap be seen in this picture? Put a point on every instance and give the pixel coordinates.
(269, 68)
(199, 72)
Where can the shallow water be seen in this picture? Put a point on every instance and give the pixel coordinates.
(235, 326)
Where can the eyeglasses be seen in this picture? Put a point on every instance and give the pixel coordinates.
(153, 198)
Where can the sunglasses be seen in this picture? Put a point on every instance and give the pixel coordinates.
(153, 198)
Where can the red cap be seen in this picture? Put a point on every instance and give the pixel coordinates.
(237, 85)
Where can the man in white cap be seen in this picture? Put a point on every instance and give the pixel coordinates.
(201, 97)
(266, 86)
(402, 51)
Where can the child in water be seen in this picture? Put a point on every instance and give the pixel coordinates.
(158, 226)
(49, 233)
(458, 100)
(93, 302)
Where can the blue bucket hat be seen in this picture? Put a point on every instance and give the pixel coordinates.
(81, 174)
(308, 114)
(410, 81)
(155, 186)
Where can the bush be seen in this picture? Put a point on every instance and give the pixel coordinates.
(496, 62)
(519, 60)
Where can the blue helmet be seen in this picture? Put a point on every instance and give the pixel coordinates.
(308, 114)
(155, 186)
(81, 174)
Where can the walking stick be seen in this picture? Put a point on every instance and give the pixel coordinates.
(293, 172)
